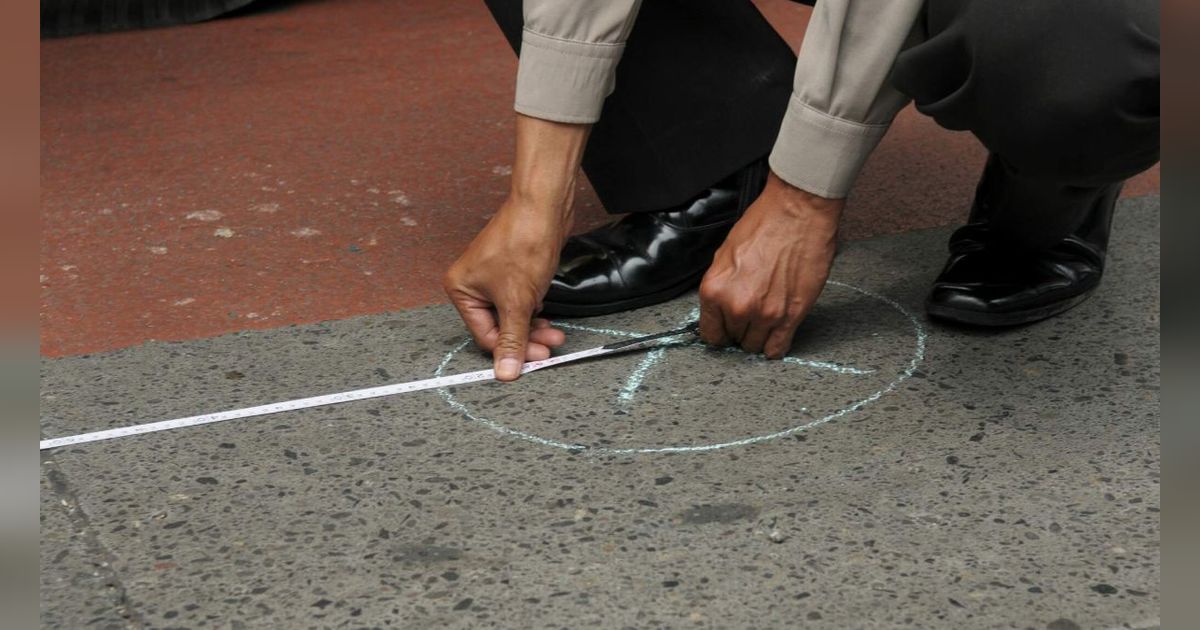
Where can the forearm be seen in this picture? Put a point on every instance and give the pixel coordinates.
(546, 171)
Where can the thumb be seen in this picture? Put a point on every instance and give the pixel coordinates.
(509, 352)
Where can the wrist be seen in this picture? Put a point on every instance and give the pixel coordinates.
(546, 173)
(534, 223)
(546, 168)
(544, 196)
(798, 201)
(816, 214)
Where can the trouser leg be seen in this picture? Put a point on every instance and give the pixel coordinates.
(1064, 94)
(700, 92)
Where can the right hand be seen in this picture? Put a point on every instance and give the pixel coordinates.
(498, 283)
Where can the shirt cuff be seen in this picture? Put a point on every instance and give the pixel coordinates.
(820, 153)
(564, 80)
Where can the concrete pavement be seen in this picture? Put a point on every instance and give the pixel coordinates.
(977, 480)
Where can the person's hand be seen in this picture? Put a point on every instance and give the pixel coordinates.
(498, 283)
(770, 270)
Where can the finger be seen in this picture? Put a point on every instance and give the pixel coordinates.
(736, 325)
(712, 324)
(543, 331)
(779, 342)
(536, 351)
(755, 337)
(481, 322)
(509, 353)
(549, 337)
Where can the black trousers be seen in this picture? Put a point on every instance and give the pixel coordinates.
(701, 91)
(76, 17)
(1063, 92)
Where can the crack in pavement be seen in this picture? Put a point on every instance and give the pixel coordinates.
(104, 561)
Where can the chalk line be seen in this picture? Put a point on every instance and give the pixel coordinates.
(918, 356)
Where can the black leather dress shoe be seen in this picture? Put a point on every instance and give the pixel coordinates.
(649, 257)
(988, 281)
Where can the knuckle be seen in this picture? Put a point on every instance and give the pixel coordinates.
(771, 312)
(508, 341)
(517, 305)
(711, 290)
(740, 309)
(450, 279)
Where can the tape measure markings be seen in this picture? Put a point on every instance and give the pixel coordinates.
(360, 394)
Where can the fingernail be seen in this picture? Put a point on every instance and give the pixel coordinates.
(509, 368)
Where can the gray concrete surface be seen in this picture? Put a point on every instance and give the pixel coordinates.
(1010, 482)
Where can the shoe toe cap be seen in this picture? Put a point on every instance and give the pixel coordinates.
(958, 298)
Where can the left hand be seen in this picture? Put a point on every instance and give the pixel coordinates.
(770, 270)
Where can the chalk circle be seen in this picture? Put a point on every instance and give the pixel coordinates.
(839, 328)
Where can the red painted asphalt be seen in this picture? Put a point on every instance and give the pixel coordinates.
(324, 160)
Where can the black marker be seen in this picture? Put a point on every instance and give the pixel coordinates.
(642, 342)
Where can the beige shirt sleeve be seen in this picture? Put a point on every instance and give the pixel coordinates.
(842, 101)
(569, 55)
(841, 106)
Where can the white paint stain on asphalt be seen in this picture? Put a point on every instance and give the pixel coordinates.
(204, 215)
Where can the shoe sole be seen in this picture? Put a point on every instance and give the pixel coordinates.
(565, 309)
(1002, 320)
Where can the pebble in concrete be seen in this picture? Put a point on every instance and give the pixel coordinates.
(1012, 481)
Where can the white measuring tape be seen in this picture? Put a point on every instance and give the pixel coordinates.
(363, 394)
